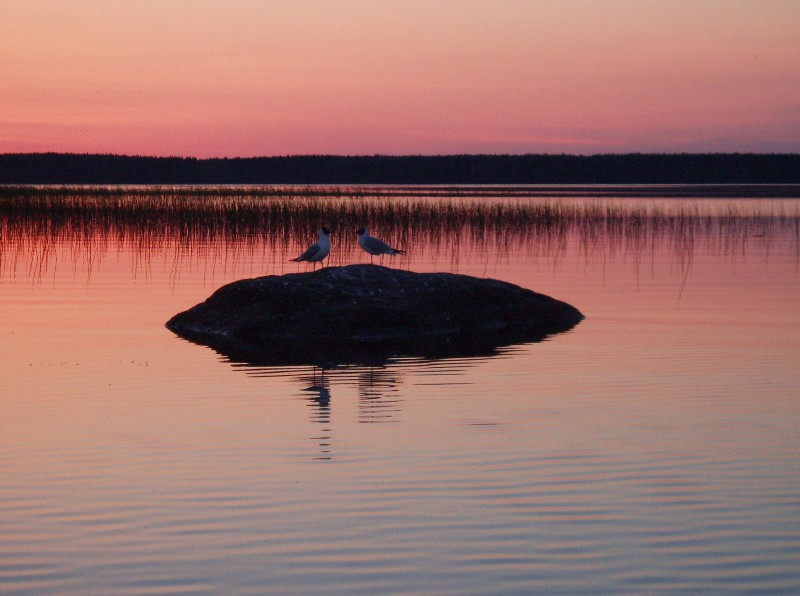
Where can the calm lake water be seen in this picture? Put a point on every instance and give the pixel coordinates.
(653, 448)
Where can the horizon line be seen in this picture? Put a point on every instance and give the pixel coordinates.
(407, 155)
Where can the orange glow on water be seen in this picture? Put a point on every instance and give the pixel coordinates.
(249, 78)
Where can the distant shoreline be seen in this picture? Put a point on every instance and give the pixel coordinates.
(572, 191)
(759, 172)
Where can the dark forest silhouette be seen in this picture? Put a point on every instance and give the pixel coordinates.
(635, 168)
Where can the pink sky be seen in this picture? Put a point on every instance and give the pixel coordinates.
(234, 78)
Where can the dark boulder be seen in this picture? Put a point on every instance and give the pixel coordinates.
(366, 311)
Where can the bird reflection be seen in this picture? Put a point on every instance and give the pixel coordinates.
(378, 400)
(319, 399)
(376, 387)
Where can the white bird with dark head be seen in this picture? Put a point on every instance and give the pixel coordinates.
(375, 246)
(319, 250)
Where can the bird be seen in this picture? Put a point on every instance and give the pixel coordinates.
(375, 246)
(317, 251)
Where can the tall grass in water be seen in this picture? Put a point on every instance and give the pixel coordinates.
(229, 224)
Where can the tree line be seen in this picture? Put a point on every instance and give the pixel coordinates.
(634, 168)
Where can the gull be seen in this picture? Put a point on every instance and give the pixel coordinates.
(319, 250)
(375, 246)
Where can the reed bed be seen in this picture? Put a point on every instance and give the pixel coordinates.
(206, 221)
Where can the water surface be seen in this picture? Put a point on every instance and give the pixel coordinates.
(653, 448)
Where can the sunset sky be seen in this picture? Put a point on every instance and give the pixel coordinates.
(239, 78)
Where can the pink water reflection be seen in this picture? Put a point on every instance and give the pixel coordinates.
(660, 434)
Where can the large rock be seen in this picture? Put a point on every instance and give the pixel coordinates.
(364, 312)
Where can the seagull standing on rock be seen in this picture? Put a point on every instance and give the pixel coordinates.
(375, 246)
(317, 251)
